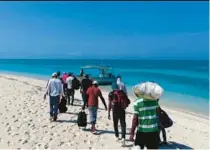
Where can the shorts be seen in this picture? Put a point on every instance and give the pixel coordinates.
(93, 114)
(149, 140)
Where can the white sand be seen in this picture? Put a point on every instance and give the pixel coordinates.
(25, 122)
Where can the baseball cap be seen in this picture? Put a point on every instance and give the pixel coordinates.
(54, 74)
(95, 83)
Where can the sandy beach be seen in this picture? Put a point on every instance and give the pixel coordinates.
(25, 122)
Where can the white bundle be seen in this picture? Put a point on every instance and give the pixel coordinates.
(148, 90)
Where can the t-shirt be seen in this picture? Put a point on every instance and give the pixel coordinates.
(86, 83)
(54, 87)
(93, 94)
(64, 77)
(69, 82)
(122, 86)
(147, 115)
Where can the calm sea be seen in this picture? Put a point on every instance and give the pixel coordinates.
(186, 82)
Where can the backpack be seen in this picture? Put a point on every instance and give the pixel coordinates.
(119, 100)
(165, 119)
(62, 105)
(82, 119)
(75, 84)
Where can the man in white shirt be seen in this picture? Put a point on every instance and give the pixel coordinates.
(70, 90)
(55, 91)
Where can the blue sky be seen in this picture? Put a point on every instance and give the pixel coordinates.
(104, 30)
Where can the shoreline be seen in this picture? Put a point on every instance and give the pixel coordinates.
(25, 122)
(165, 105)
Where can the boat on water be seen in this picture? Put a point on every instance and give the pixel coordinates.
(101, 74)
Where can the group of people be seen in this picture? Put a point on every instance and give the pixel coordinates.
(146, 113)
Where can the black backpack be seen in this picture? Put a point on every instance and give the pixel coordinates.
(82, 119)
(75, 84)
(165, 119)
(62, 105)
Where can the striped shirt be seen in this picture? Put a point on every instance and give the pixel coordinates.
(147, 115)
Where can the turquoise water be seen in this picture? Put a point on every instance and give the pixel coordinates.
(186, 82)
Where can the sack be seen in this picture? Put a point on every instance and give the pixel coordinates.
(82, 119)
(165, 120)
(75, 84)
(119, 100)
(148, 90)
(62, 105)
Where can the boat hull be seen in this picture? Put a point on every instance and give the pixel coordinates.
(101, 81)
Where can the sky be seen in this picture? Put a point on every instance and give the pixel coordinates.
(142, 30)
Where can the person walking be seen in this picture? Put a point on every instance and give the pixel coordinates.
(55, 91)
(93, 93)
(118, 102)
(64, 77)
(146, 120)
(85, 84)
(70, 90)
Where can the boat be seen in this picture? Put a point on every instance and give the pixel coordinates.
(105, 77)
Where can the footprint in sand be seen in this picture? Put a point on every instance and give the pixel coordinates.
(20, 113)
(25, 142)
(9, 129)
(46, 146)
(16, 134)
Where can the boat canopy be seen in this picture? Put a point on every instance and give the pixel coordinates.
(96, 67)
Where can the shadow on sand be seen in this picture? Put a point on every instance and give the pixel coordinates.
(72, 113)
(67, 121)
(174, 145)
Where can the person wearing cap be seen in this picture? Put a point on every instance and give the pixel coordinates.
(85, 84)
(55, 91)
(93, 93)
(70, 90)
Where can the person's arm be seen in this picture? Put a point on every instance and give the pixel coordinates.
(47, 83)
(81, 87)
(102, 99)
(85, 103)
(61, 90)
(109, 105)
(134, 121)
(47, 89)
(126, 92)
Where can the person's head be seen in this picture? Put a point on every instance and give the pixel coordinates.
(87, 76)
(58, 74)
(95, 83)
(69, 74)
(64, 73)
(114, 86)
(54, 75)
(119, 78)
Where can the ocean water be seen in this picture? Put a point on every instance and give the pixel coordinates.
(186, 82)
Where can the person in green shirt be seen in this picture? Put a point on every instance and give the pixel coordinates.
(146, 120)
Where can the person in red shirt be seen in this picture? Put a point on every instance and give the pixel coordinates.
(93, 93)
